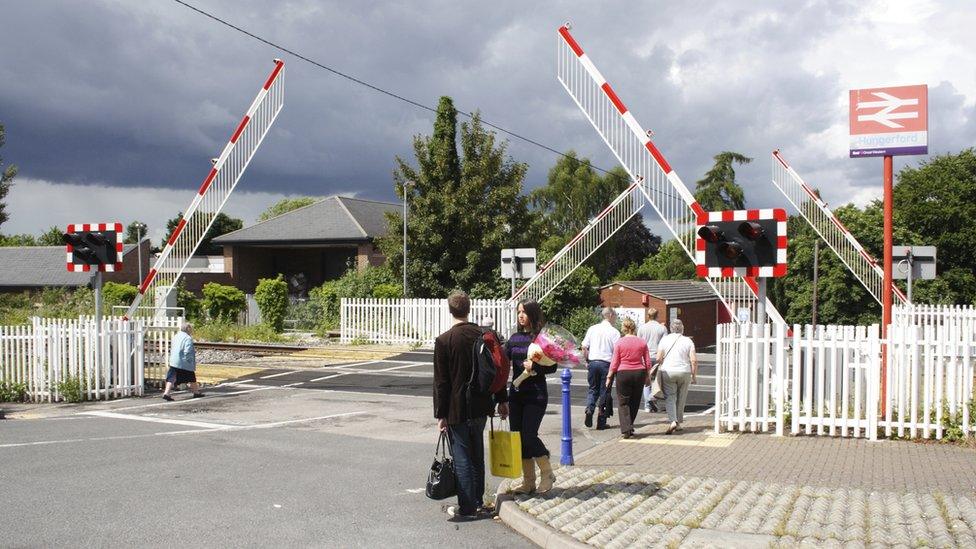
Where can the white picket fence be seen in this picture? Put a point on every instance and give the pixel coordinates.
(413, 321)
(130, 355)
(52, 351)
(828, 378)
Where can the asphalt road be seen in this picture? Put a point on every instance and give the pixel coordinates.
(297, 455)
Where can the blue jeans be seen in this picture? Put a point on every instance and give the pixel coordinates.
(468, 449)
(596, 375)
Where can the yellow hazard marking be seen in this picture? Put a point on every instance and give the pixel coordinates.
(715, 441)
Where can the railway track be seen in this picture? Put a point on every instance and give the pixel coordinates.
(255, 348)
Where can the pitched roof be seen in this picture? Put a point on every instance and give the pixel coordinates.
(671, 291)
(40, 266)
(336, 218)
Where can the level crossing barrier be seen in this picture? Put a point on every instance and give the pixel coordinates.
(216, 188)
(865, 268)
(661, 186)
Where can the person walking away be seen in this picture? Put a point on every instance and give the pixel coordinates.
(597, 347)
(528, 401)
(463, 421)
(651, 332)
(679, 368)
(182, 363)
(631, 365)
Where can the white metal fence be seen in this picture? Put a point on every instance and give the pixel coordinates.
(413, 321)
(828, 381)
(50, 352)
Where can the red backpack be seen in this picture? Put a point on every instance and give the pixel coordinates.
(489, 367)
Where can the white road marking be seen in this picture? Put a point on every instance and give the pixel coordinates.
(150, 419)
(280, 374)
(217, 429)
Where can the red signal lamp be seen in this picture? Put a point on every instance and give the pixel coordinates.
(711, 234)
(730, 250)
(751, 230)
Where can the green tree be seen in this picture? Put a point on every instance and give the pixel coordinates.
(51, 237)
(6, 179)
(136, 229)
(936, 203)
(573, 195)
(222, 224)
(669, 263)
(271, 296)
(718, 189)
(18, 240)
(464, 207)
(286, 205)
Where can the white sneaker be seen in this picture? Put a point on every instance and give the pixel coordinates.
(454, 511)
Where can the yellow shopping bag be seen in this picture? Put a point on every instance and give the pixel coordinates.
(505, 449)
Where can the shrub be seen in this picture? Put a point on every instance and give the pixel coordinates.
(13, 392)
(192, 307)
(578, 320)
(388, 291)
(271, 296)
(114, 294)
(223, 302)
(324, 300)
(371, 282)
(70, 389)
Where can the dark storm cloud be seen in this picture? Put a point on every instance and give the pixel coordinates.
(144, 94)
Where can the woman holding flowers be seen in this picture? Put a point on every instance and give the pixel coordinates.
(529, 397)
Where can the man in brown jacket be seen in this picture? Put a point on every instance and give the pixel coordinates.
(463, 420)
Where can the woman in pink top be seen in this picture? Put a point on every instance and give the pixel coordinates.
(633, 362)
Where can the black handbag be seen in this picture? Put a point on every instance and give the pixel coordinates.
(442, 480)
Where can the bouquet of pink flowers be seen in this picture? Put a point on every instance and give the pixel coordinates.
(553, 345)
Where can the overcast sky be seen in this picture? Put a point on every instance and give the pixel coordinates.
(113, 109)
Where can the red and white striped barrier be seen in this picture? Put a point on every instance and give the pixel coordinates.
(825, 223)
(216, 188)
(632, 145)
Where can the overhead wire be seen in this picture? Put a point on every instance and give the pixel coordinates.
(378, 89)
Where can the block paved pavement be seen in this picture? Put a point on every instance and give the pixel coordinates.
(698, 489)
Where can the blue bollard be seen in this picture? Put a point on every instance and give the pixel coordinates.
(566, 457)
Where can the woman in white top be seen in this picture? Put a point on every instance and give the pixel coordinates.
(678, 368)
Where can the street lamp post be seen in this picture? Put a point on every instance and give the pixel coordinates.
(139, 229)
(406, 185)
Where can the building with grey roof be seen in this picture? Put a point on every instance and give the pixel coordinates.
(693, 301)
(308, 245)
(38, 267)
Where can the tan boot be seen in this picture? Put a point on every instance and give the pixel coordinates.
(528, 478)
(546, 476)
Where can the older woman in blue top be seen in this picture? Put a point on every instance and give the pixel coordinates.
(182, 363)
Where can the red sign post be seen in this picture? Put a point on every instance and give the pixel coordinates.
(887, 122)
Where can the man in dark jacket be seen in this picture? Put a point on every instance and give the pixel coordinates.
(464, 421)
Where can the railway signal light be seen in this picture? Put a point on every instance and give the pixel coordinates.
(742, 243)
(97, 245)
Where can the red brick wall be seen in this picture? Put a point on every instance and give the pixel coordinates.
(130, 266)
(700, 318)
